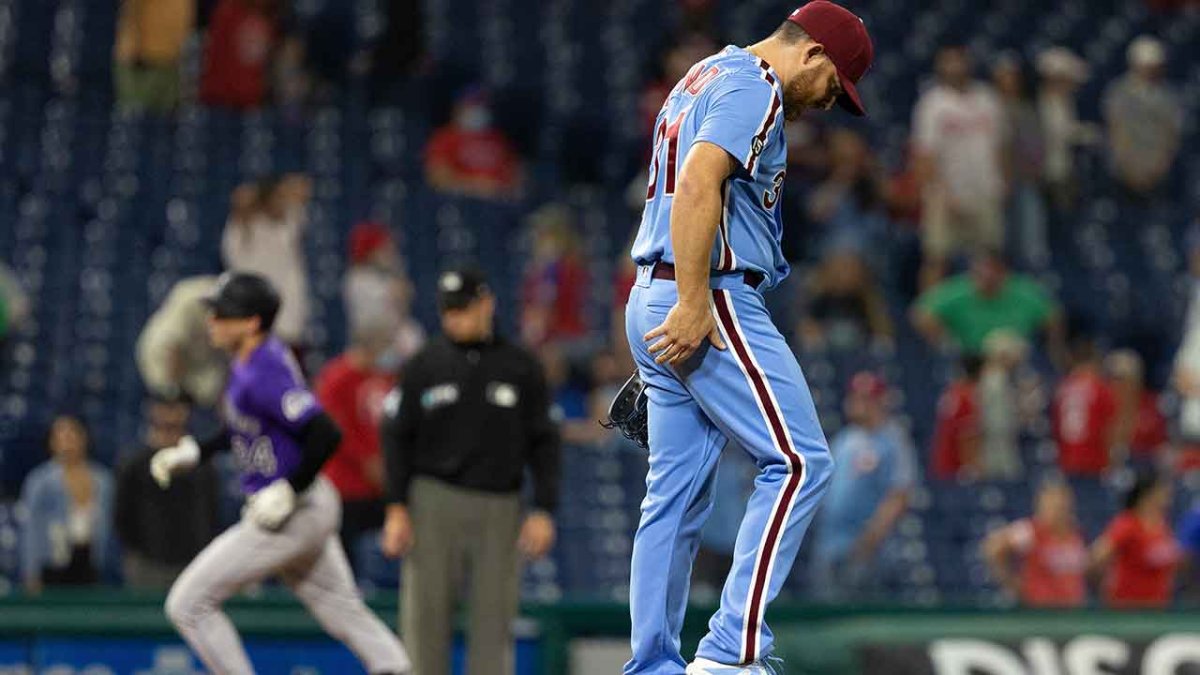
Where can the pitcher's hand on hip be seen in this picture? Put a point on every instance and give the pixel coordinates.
(682, 332)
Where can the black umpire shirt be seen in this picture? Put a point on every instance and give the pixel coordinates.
(474, 415)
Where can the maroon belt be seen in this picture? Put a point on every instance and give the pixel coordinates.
(665, 270)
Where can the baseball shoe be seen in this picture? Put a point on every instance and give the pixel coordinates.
(768, 666)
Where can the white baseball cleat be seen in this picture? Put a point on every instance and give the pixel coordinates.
(706, 667)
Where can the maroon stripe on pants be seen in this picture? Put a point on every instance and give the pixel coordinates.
(759, 585)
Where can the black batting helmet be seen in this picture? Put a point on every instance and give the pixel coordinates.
(241, 295)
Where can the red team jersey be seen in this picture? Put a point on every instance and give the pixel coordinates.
(354, 399)
(1149, 427)
(1144, 562)
(479, 155)
(1082, 416)
(1053, 565)
(957, 422)
(561, 287)
(240, 40)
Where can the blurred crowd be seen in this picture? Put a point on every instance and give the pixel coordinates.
(947, 247)
(252, 53)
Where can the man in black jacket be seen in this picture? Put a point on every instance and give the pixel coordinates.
(162, 530)
(471, 414)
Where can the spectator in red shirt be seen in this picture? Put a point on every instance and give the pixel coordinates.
(470, 157)
(1053, 558)
(1138, 551)
(554, 290)
(957, 435)
(1141, 428)
(353, 388)
(1082, 414)
(241, 38)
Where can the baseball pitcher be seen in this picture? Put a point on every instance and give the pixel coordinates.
(714, 366)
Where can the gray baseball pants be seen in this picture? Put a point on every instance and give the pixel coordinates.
(308, 556)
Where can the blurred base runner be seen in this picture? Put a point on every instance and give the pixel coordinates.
(307, 554)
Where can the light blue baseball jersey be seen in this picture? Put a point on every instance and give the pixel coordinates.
(734, 100)
(752, 394)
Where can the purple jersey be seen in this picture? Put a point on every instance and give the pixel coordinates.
(267, 403)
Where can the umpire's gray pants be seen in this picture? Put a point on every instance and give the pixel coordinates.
(306, 553)
(461, 538)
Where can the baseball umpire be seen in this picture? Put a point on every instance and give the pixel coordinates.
(289, 527)
(471, 413)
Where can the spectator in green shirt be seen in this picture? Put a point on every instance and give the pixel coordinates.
(14, 304)
(965, 309)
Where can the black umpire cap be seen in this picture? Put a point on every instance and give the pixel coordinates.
(241, 295)
(459, 287)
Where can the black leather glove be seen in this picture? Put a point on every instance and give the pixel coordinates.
(627, 412)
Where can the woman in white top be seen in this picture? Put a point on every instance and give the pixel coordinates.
(265, 235)
(67, 513)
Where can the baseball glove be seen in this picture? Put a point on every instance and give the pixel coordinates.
(627, 412)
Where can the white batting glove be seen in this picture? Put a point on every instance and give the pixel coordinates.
(270, 507)
(182, 456)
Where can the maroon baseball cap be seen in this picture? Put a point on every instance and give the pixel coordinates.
(845, 39)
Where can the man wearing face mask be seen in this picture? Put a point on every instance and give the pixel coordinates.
(352, 389)
(470, 157)
(471, 413)
(376, 290)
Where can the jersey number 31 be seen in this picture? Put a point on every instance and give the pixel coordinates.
(670, 134)
(694, 82)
